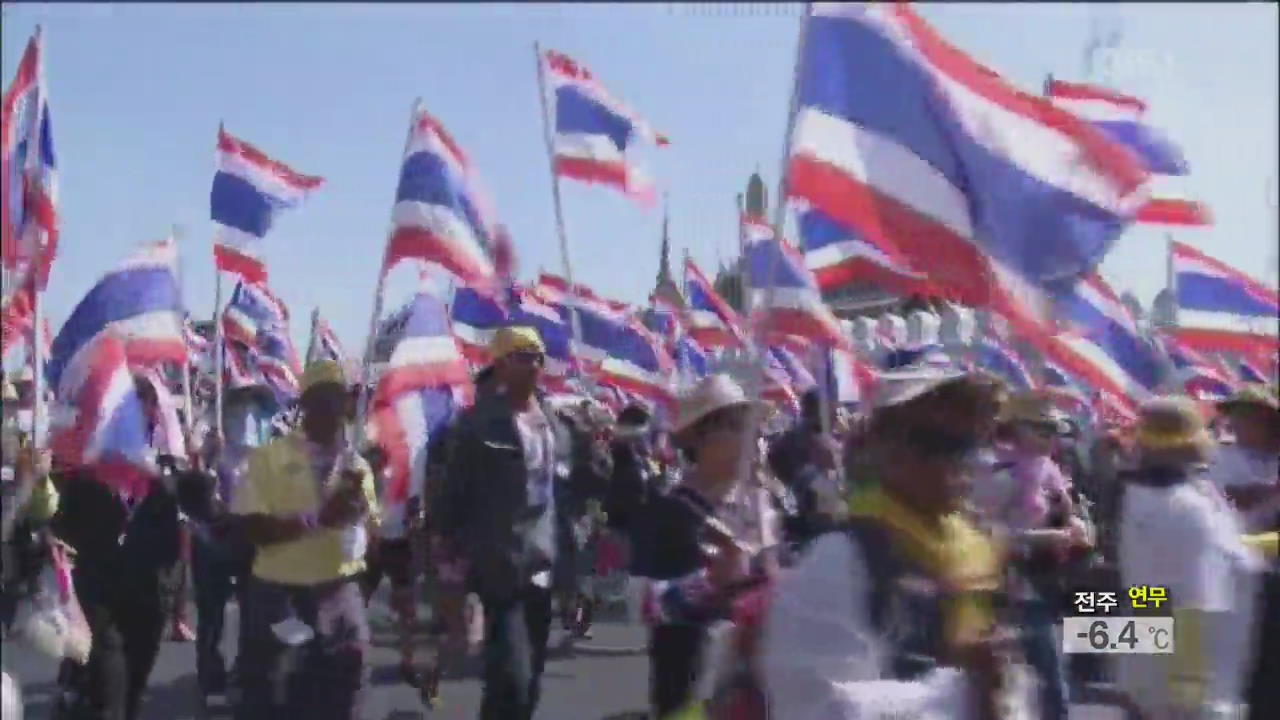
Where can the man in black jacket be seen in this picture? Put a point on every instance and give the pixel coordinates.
(125, 581)
(497, 508)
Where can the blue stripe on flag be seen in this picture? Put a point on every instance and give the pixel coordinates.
(577, 112)
(236, 203)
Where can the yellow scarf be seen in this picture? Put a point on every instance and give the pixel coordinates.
(953, 552)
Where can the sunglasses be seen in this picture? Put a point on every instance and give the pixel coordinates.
(1045, 430)
(940, 444)
(528, 357)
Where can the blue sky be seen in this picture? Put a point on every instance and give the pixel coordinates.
(137, 92)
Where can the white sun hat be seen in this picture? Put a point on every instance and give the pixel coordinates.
(913, 373)
(712, 393)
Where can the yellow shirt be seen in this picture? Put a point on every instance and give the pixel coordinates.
(280, 481)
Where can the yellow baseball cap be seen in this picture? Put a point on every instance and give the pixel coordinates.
(323, 372)
(515, 339)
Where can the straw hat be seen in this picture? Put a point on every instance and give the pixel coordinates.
(1034, 408)
(712, 393)
(1255, 395)
(514, 339)
(1171, 430)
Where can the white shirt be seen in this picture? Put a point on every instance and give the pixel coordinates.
(823, 661)
(1237, 467)
(1187, 538)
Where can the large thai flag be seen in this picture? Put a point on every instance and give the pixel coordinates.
(29, 201)
(1121, 118)
(839, 256)
(593, 130)
(139, 302)
(443, 214)
(99, 421)
(425, 354)
(999, 197)
(248, 189)
(1064, 391)
(785, 299)
(711, 321)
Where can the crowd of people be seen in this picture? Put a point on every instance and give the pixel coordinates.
(910, 557)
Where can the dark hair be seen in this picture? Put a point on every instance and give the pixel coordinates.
(633, 415)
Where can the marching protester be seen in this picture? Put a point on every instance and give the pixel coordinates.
(1248, 471)
(220, 555)
(127, 551)
(895, 616)
(702, 539)
(303, 502)
(498, 511)
(1178, 531)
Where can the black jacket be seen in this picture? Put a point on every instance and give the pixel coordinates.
(120, 558)
(482, 509)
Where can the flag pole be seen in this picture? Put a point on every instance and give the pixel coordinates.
(37, 267)
(567, 266)
(1171, 278)
(751, 430)
(219, 344)
(189, 415)
(311, 342)
(362, 402)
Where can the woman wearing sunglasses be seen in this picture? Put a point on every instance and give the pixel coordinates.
(1028, 499)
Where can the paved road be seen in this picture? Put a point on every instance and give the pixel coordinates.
(605, 680)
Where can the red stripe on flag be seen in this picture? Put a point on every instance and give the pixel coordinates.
(229, 260)
(1174, 212)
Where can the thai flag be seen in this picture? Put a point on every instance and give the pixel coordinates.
(1205, 383)
(16, 316)
(404, 429)
(785, 297)
(999, 359)
(1249, 373)
(197, 345)
(838, 256)
(999, 197)
(425, 354)
(248, 189)
(99, 422)
(139, 302)
(593, 131)
(442, 213)
(1121, 118)
(1210, 287)
(1109, 335)
(329, 347)
(778, 387)
(693, 362)
(241, 368)
(637, 362)
(1064, 392)
(798, 375)
(476, 316)
(29, 201)
(599, 324)
(529, 308)
(278, 362)
(712, 322)
(663, 318)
